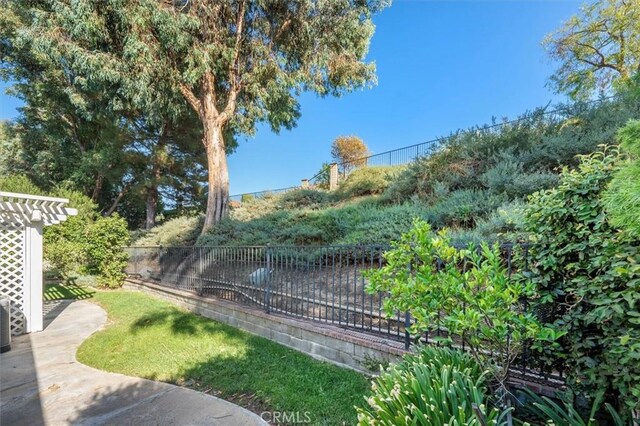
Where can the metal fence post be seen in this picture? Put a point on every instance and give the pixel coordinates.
(134, 251)
(200, 272)
(407, 317)
(407, 336)
(267, 293)
(160, 262)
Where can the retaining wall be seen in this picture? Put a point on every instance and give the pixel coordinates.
(325, 342)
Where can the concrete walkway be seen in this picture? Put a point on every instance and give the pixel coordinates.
(42, 383)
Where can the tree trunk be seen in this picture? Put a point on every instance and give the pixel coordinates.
(218, 196)
(151, 205)
(154, 181)
(97, 188)
(116, 202)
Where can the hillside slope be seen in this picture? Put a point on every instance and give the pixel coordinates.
(475, 183)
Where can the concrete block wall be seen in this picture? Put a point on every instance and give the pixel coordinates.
(325, 342)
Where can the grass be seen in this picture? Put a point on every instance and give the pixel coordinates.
(150, 338)
(59, 291)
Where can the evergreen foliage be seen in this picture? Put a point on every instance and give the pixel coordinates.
(83, 244)
(589, 275)
(622, 198)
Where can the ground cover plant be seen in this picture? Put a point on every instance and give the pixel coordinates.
(150, 338)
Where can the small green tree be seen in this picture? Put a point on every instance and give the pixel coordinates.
(462, 295)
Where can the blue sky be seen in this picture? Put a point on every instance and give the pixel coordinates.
(441, 65)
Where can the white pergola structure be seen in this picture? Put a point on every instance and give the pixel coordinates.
(22, 218)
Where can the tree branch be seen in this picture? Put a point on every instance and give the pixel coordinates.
(191, 99)
(116, 202)
(234, 66)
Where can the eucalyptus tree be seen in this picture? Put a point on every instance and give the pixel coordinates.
(68, 134)
(240, 62)
(90, 120)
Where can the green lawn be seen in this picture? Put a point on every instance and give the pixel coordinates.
(150, 338)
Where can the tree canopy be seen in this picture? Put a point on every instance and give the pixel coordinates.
(597, 49)
(239, 62)
(89, 122)
(349, 151)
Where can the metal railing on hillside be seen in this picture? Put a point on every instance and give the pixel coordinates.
(411, 153)
(322, 284)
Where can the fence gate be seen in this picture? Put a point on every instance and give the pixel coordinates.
(22, 218)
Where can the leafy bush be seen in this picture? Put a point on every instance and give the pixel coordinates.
(368, 181)
(479, 304)
(19, 184)
(181, 231)
(505, 224)
(622, 198)
(509, 178)
(516, 158)
(107, 236)
(463, 208)
(83, 244)
(254, 208)
(437, 387)
(304, 198)
(589, 274)
(377, 225)
(246, 198)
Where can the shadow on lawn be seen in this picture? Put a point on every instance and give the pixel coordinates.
(67, 291)
(184, 323)
(264, 375)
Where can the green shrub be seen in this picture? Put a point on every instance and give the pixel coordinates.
(107, 259)
(622, 198)
(505, 224)
(589, 274)
(83, 244)
(255, 208)
(181, 231)
(464, 208)
(377, 225)
(19, 184)
(304, 198)
(480, 305)
(437, 387)
(368, 181)
(509, 178)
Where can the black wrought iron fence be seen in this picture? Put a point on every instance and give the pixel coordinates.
(324, 284)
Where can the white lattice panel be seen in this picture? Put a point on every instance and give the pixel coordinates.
(12, 269)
